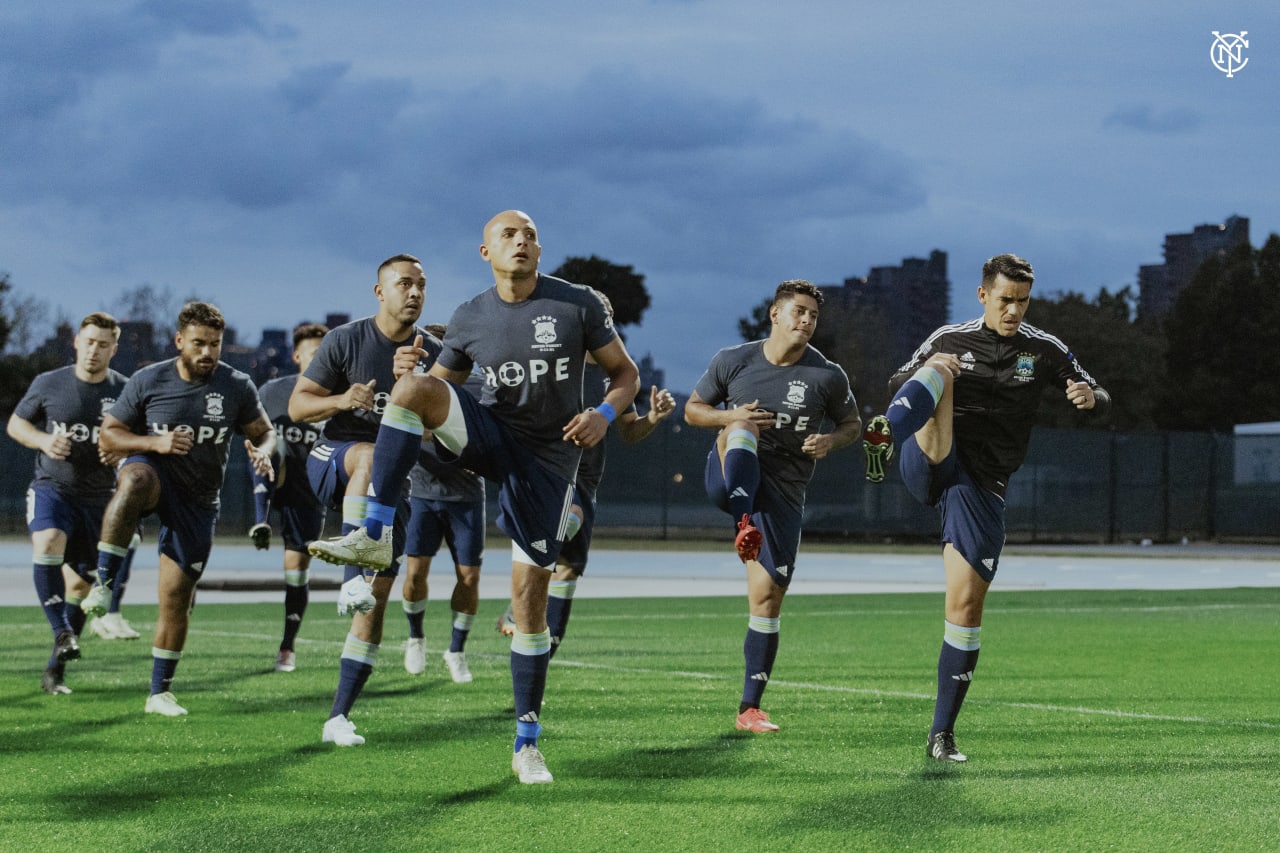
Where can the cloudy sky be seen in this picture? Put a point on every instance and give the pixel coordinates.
(266, 155)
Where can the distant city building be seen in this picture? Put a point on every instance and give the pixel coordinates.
(911, 300)
(1160, 284)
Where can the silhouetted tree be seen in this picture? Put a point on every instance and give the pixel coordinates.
(622, 284)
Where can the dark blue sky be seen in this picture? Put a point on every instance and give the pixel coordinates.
(268, 155)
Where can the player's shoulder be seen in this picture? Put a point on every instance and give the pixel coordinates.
(558, 288)
(739, 352)
(1036, 336)
(280, 383)
(53, 377)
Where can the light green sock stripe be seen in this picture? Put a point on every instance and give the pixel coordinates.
(165, 654)
(354, 508)
(740, 439)
(113, 549)
(961, 637)
(531, 644)
(47, 559)
(562, 589)
(295, 577)
(463, 621)
(763, 625)
(414, 606)
(932, 380)
(405, 420)
(357, 649)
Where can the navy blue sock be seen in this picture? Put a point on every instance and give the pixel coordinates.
(394, 455)
(914, 403)
(355, 667)
(559, 606)
(414, 611)
(264, 489)
(741, 473)
(461, 630)
(110, 559)
(296, 596)
(164, 664)
(955, 673)
(530, 654)
(121, 581)
(759, 650)
(75, 616)
(51, 592)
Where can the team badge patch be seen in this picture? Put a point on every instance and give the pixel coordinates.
(1026, 366)
(544, 330)
(213, 405)
(795, 393)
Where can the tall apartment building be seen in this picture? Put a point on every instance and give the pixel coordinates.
(909, 300)
(1160, 284)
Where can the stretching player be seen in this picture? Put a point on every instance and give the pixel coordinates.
(288, 493)
(447, 505)
(961, 418)
(59, 417)
(777, 394)
(530, 335)
(347, 385)
(173, 425)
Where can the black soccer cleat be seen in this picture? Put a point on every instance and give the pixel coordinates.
(65, 646)
(51, 681)
(942, 747)
(260, 535)
(877, 442)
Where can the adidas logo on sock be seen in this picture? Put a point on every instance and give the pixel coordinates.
(52, 600)
(739, 493)
(964, 676)
(531, 717)
(540, 545)
(901, 401)
(260, 489)
(293, 617)
(760, 676)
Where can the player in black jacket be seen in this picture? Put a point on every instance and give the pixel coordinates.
(961, 417)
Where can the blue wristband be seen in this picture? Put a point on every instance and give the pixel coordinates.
(608, 412)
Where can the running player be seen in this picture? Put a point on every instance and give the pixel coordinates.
(289, 493)
(530, 335)
(59, 417)
(347, 385)
(777, 395)
(961, 416)
(173, 425)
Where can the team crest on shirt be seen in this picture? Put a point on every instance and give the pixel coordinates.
(107, 403)
(1025, 369)
(544, 332)
(795, 392)
(213, 406)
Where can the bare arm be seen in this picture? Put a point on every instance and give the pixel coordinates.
(700, 413)
(634, 428)
(260, 443)
(116, 440)
(311, 402)
(29, 435)
(588, 428)
(846, 432)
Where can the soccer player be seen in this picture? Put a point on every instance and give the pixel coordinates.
(530, 334)
(770, 401)
(288, 492)
(961, 417)
(346, 386)
(59, 417)
(447, 505)
(572, 561)
(173, 424)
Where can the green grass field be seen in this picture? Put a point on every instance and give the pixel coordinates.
(1097, 721)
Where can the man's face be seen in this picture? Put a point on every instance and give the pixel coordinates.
(95, 347)
(304, 352)
(1004, 304)
(402, 290)
(511, 245)
(795, 319)
(199, 348)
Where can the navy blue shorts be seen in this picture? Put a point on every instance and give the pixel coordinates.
(460, 524)
(186, 529)
(300, 523)
(777, 520)
(972, 517)
(533, 501)
(81, 521)
(327, 473)
(575, 552)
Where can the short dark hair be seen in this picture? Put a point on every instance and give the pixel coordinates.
(201, 314)
(308, 331)
(1011, 267)
(793, 287)
(102, 320)
(437, 330)
(395, 259)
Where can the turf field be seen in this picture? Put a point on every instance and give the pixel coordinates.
(1097, 721)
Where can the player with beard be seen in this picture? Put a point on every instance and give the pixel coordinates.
(530, 335)
(173, 426)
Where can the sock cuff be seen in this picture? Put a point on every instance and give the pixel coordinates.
(531, 645)
(961, 637)
(357, 649)
(463, 621)
(296, 577)
(353, 509)
(405, 420)
(932, 380)
(114, 550)
(165, 654)
(741, 439)
(763, 624)
(49, 560)
(414, 607)
(562, 589)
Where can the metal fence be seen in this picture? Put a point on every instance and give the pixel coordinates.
(1076, 486)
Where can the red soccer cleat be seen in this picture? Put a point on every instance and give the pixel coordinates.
(754, 720)
(748, 540)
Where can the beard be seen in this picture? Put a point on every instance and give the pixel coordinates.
(197, 369)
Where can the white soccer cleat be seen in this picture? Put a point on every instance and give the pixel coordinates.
(165, 704)
(100, 628)
(286, 661)
(119, 628)
(97, 601)
(415, 655)
(341, 732)
(458, 669)
(355, 549)
(530, 766)
(356, 596)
